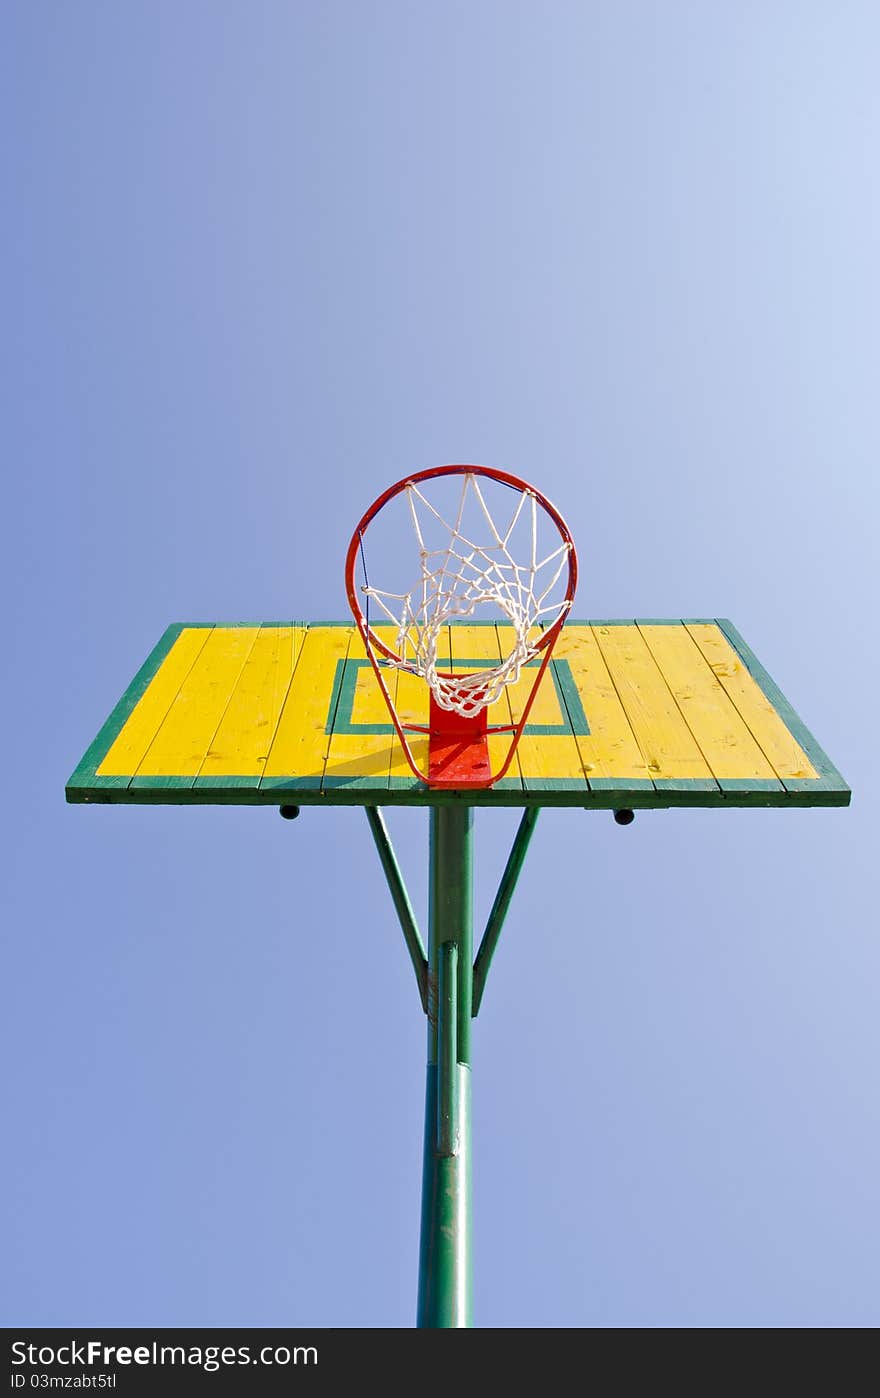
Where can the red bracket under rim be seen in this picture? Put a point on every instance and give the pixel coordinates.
(458, 757)
(458, 749)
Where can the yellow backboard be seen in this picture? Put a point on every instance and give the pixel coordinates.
(629, 713)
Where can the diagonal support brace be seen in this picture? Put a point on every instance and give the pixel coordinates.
(512, 869)
(403, 907)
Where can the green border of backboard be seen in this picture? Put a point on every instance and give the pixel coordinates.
(829, 789)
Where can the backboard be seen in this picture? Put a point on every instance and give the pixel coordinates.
(633, 713)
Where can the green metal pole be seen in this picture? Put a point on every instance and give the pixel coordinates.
(445, 1269)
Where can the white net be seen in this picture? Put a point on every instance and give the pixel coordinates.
(462, 576)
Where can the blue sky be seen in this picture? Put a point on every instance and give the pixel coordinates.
(259, 261)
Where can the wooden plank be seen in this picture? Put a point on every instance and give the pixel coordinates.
(473, 648)
(239, 748)
(137, 733)
(721, 735)
(669, 748)
(184, 736)
(361, 745)
(550, 757)
(412, 703)
(84, 784)
(828, 781)
(781, 749)
(610, 755)
(183, 792)
(298, 754)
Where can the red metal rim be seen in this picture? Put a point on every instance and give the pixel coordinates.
(431, 473)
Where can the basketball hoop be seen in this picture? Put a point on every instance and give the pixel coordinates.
(466, 566)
